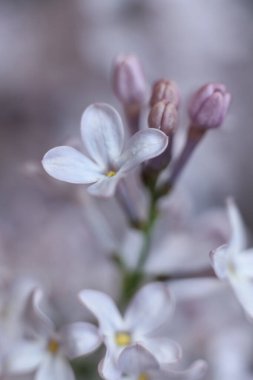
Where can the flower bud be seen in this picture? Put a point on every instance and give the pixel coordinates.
(209, 105)
(165, 90)
(129, 82)
(163, 116)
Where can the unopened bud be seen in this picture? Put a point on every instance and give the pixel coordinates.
(209, 105)
(129, 82)
(163, 116)
(165, 90)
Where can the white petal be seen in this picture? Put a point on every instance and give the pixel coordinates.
(104, 309)
(103, 133)
(105, 187)
(150, 308)
(243, 263)
(143, 146)
(107, 369)
(220, 259)
(238, 238)
(36, 320)
(54, 367)
(68, 164)
(25, 357)
(79, 339)
(195, 372)
(136, 359)
(244, 292)
(163, 349)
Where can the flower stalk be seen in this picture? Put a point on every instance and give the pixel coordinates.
(207, 272)
(133, 279)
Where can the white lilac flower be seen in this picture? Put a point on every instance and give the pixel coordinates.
(136, 363)
(48, 351)
(109, 159)
(234, 262)
(150, 309)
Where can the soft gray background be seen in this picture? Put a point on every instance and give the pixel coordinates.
(55, 59)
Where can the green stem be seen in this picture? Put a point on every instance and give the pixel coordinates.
(130, 283)
(152, 216)
(206, 272)
(133, 279)
(87, 369)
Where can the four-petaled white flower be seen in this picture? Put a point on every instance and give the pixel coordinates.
(149, 310)
(103, 136)
(136, 363)
(234, 262)
(48, 351)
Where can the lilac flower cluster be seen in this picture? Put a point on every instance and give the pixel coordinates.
(134, 332)
(134, 349)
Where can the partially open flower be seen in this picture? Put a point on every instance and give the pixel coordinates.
(234, 262)
(103, 136)
(209, 105)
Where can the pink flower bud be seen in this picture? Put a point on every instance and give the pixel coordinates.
(165, 90)
(209, 105)
(163, 116)
(129, 82)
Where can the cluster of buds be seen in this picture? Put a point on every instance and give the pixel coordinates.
(207, 110)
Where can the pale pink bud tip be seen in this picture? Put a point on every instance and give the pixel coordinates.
(129, 82)
(163, 116)
(209, 105)
(165, 90)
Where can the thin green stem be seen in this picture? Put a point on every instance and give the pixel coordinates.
(207, 272)
(133, 279)
(152, 216)
(130, 283)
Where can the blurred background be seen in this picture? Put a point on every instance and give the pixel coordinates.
(55, 59)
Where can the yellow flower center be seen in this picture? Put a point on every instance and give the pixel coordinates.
(53, 346)
(123, 338)
(111, 173)
(143, 376)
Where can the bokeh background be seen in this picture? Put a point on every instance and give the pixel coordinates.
(55, 59)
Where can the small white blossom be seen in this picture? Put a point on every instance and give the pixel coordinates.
(234, 262)
(150, 309)
(103, 137)
(47, 351)
(136, 363)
